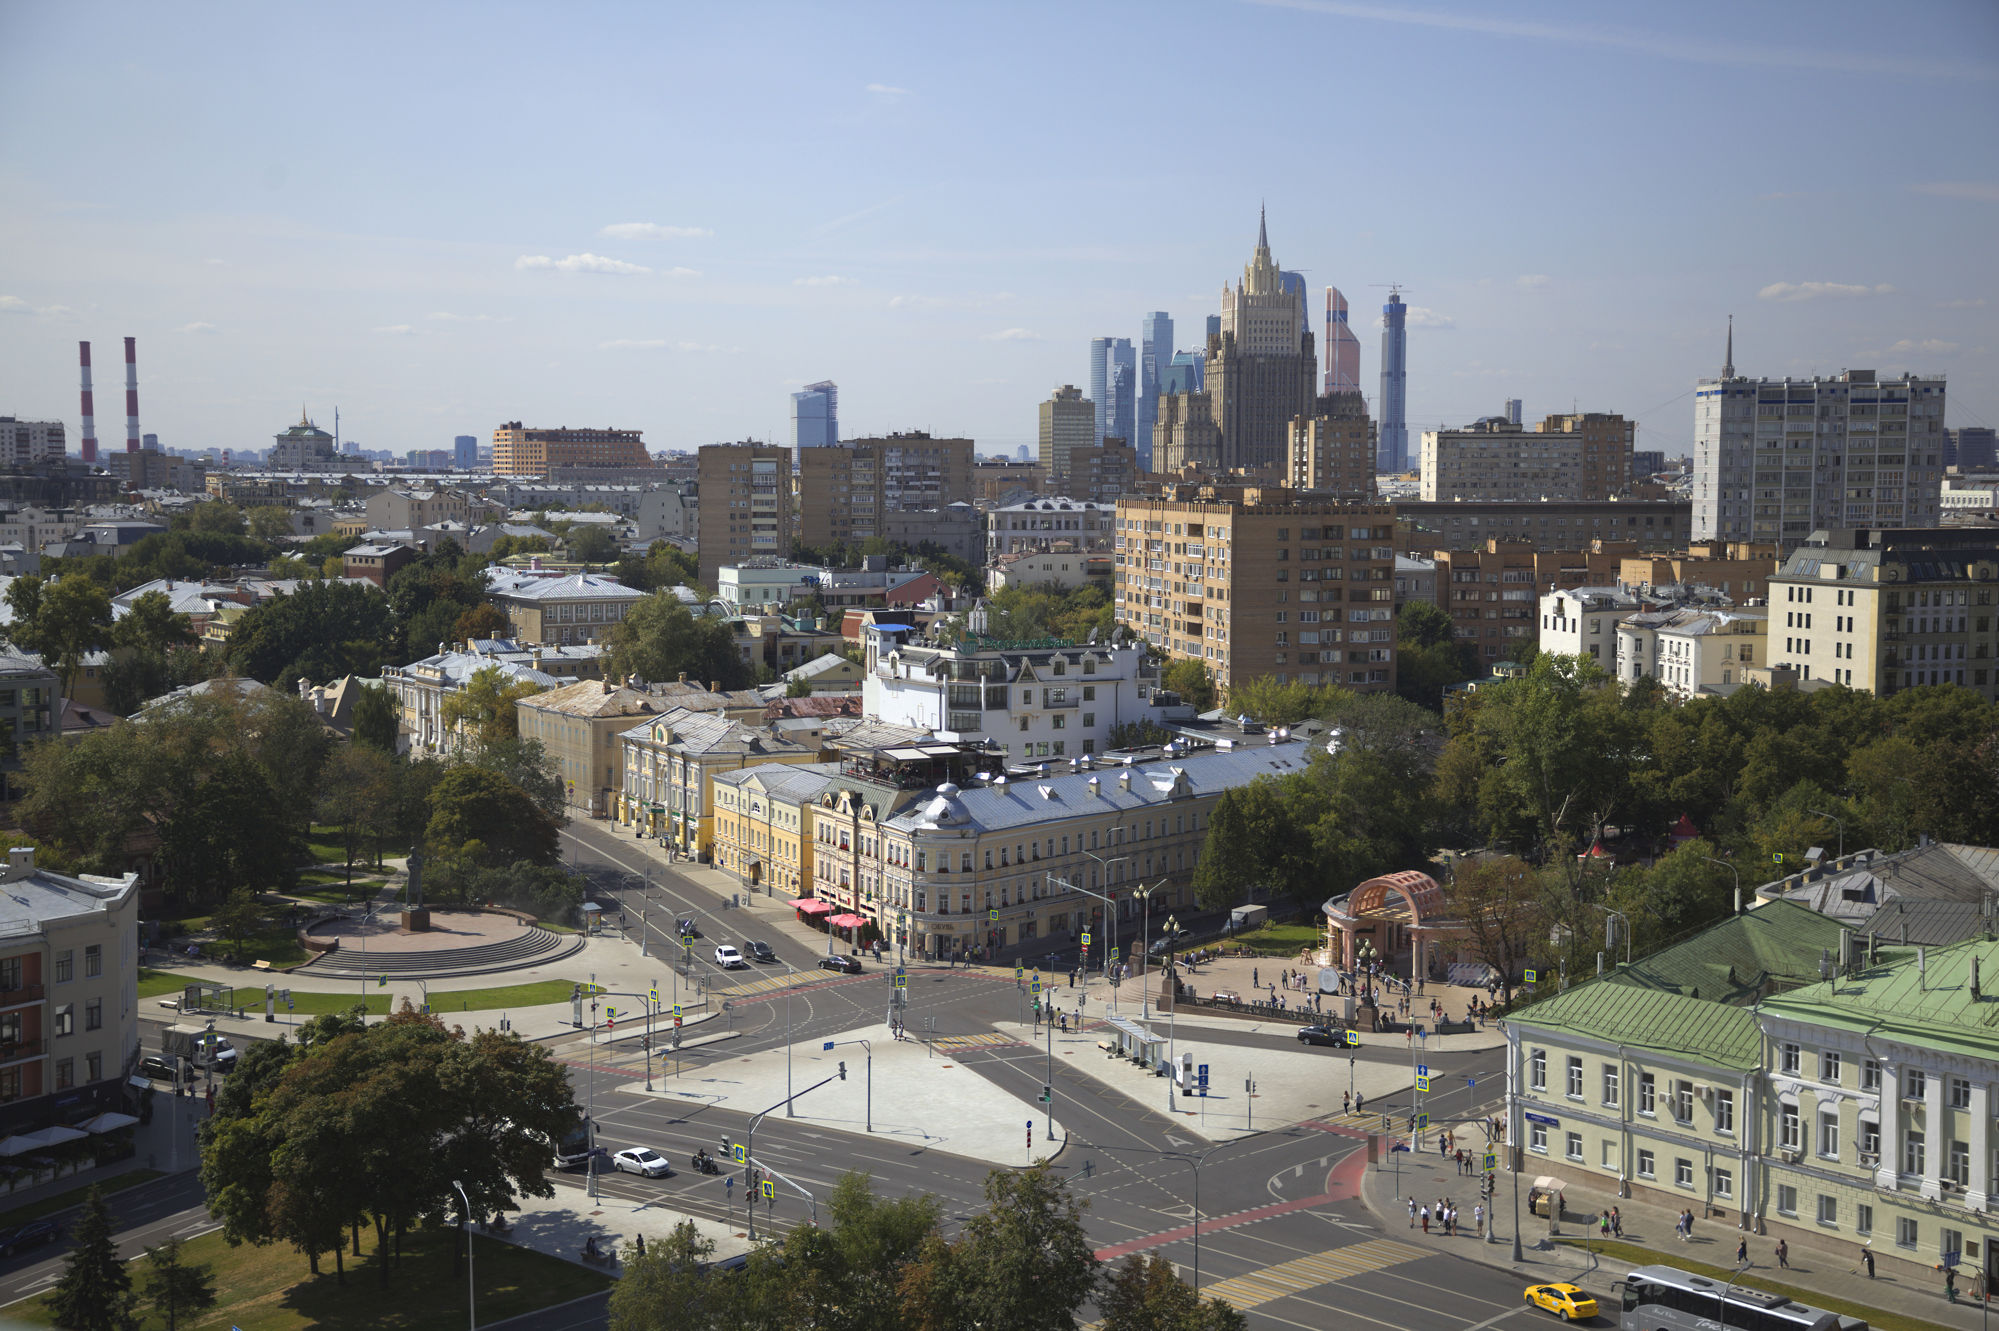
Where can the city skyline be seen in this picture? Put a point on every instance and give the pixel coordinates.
(266, 249)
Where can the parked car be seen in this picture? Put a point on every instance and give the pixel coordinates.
(844, 965)
(31, 1235)
(642, 1160)
(160, 1067)
(1167, 943)
(759, 950)
(1335, 1035)
(729, 959)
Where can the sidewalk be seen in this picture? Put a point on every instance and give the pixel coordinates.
(560, 1225)
(1816, 1271)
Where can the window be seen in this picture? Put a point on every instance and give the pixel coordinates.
(1724, 1110)
(65, 1073)
(1724, 1183)
(1905, 1231)
(1870, 1075)
(1610, 1085)
(1787, 1130)
(1828, 1209)
(1646, 1093)
(1683, 1101)
(1537, 1070)
(1912, 1150)
(1789, 1063)
(1960, 1164)
(1863, 1219)
(1870, 1141)
(65, 966)
(10, 973)
(1960, 1093)
(1950, 1242)
(1683, 1172)
(93, 960)
(1829, 1066)
(1645, 1164)
(1829, 1134)
(1576, 1147)
(93, 1015)
(1575, 1079)
(66, 1019)
(1915, 1084)
(93, 1067)
(1787, 1199)
(1538, 1139)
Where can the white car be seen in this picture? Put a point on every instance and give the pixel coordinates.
(729, 959)
(642, 1160)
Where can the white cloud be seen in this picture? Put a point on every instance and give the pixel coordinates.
(827, 281)
(1928, 346)
(1422, 316)
(1014, 335)
(1964, 303)
(15, 305)
(1795, 291)
(655, 231)
(396, 330)
(1532, 281)
(196, 328)
(583, 263)
(888, 90)
(1982, 191)
(445, 316)
(632, 344)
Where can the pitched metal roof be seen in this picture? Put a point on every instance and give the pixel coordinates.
(1918, 996)
(1619, 1013)
(1742, 958)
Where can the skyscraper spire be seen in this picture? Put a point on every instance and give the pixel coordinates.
(1728, 357)
(1262, 234)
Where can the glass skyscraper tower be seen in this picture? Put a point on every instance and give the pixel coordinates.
(1394, 451)
(1155, 355)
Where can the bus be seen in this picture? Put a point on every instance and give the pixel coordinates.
(575, 1150)
(1662, 1298)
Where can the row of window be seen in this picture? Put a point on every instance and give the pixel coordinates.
(11, 973)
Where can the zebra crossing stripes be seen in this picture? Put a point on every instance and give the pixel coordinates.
(991, 1039)
(1303, 1273)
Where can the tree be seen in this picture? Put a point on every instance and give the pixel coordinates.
(1274, 704)
(1145, 1293)
(471, 805)
(591, 543)
(1428, 656)
(670, 1288)
(270, 523)
(320, 632)
(224, 832)
(151, 624)
(1023, 1263)
(95, 1292)
(1498, 899)
(660, 639)
(217, 517)
(1255, 842)
(1192, 681)
(238, 919)
(482, 621)
(172, 1286)
(484, 708)
(376, 722)
(798, 687)
(61, 621)
(525, 763)
(357, 795)
(849, 1273)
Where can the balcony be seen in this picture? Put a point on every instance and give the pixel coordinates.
(27, 993)
(20, 1051)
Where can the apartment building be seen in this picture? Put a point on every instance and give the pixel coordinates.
(419, 690)
(1605, 442)
(1099, 473)
(1260, 581)
(997, 866)
(408, 510)
(1882, 610)
(1185, 434)
(760, 818)
(523, 451)
(745, 505)
(1777, 459)
(958, 530)
(1492, 591)
(1332, 450)
(1048, 524)
(1709, 651)
(1000, 482)
(69, 1000)
(578, 608)
(29, 713)
(31, 528)
(1032, 700)
(1582, 621)
(23, 443)
(846, 490)
(1496, 460)
(1068, 422)
(580, 726)
(670, 763)
(1739, 570)
(1661, 524)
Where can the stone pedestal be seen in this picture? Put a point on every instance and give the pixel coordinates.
(1164, 998)
(416, 920)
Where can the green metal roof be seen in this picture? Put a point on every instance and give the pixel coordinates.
(1918, 996)
(1625, 1014)
(1744, 958)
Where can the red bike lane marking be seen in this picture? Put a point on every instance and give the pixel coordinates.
(1343, 1182)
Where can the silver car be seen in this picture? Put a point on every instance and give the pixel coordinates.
(642, 1160)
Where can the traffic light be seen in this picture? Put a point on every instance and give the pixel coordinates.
(1047, 1094)
(843, 1072)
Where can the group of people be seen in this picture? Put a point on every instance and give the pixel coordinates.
(1445, 1216)
(1610, 1224)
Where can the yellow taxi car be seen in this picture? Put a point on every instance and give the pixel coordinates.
(1565, 1301)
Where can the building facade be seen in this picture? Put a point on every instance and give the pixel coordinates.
(1113, 387)
(1331, 451)
(1551, 525)
(1882, 611)
(846, 491)
(1185, 434)
(1262, 368)
(1049, 524)
(745, 505)
(23, 443)
(1710, 651)
(1155, 355)
(1583, 622)
(815, 416)
(1606, 439)
(419, 689)
(760, 819)
(1495, 461)
(670, 764)
(1394, 399)
(1777, 459)
(303, 447)
(1492, 592)
(579, 608)
(579, 726)
(1259, 581)
(1068, 422)
(520, 450)
(1099, 474)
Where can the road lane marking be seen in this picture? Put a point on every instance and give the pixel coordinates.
(1302, 1273)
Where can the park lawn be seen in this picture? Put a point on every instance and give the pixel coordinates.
(271, 1288)
(1278, 940)
(443, 1002)
(1636, 1255)
(325, 846)
(62, 1201)
(158, 984)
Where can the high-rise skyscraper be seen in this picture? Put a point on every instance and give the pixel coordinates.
(815, 415)
(1294, 285)
(1262, 366)
(1155, 354)
(1394, 401)
(1212, 331)
(1342, 347)
(1185, 374)
(1115, 415)
(465, 451)
(1513, 410)
(1067, 423)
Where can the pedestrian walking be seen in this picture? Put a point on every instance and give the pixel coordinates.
(1346, 1102)
(1424, 1214)
(1616, 1223)
(1603, 1227)
(1412, 1213)
(1783, 1255)
(1255, 981)
(1742, 1252)
(1867, 1259)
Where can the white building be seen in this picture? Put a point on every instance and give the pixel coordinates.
(1040, 524)
(31, 528)
(23, 442)
(1699, 651)
(1776, 459)
(1062, 569)
(771, 584)
(420, 688)
(1034, 700)
(1583, 622)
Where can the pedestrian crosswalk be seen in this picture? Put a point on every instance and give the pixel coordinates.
(991, 1039)
(764, 984)
(1302, 1273)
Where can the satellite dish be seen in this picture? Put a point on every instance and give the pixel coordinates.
(1092, 639)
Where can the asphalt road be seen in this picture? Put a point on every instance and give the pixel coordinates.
(1282, 1233)
(142, 1217)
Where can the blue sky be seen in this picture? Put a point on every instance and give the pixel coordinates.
(440, 217)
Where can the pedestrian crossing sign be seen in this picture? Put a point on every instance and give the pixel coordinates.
(1086, 940)
(676, 1011)
(652, 995)
(1422, 1121)
(1423, 1085)
(1034, 985)
(741, 1153)
(1353, 1037)
(770, 1190)
(1017, 973)
(992, 914)
(1532, 976)
(1491, 1161)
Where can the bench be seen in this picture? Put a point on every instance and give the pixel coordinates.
(260, 965)
(1108, 1046)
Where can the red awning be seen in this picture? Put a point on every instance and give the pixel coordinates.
(812, 906)
(846, 921)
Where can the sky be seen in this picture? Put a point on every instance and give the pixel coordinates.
(442, 217)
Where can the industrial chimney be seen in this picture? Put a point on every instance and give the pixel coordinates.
(131, 395)
(89, 409)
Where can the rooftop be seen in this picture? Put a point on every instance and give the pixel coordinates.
(1918, 996)
(573, 587)
(594, 698)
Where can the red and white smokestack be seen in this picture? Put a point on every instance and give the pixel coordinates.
(131, 395)
(89, 408)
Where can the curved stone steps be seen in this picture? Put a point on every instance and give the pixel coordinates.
(536, 947)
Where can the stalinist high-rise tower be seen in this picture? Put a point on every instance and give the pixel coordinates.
(1262, 366)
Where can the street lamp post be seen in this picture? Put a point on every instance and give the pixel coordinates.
(1173, 1017)
(1738, 879)
(1721, 1300)
(1837, 823)
(1110, 914)
(1144, 896)
(471, 1289)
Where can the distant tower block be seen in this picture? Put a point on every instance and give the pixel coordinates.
(89, 407)
(1394, 444)
(131, 395)
(1342, 347)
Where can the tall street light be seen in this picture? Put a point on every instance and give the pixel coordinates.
(1738, 879)
(1173, 1017)
(471, 1290)
(1837, 823)
(1144, 896)
(1110, 911)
